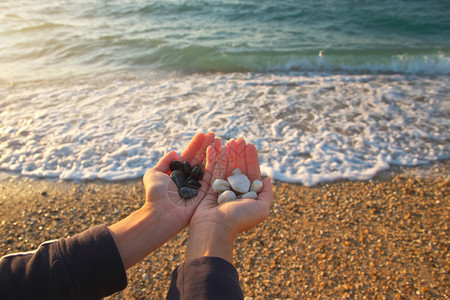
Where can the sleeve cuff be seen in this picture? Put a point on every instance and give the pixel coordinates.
(205, 278)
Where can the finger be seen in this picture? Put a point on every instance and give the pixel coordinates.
(164, 163)
(240, 155)
(200, 154)
(231, 146)
(266, 195)
(217, 145)
(210, 165)
(191, 149)
(220, 169)
(251, 158)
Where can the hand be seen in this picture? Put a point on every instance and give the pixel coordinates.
(164, 213)
(214, 227)
(162, 193)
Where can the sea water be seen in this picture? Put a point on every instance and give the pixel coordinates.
(324, 89)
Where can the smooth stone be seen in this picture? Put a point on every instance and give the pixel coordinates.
(239, 183)
(175, 165)
(186, 168)
(250, 195)
(226, 196)
(192, 183)
(236, 171)
(178, 177)
(256, 186)
(187, 192)
(197, 173)
(220, 186)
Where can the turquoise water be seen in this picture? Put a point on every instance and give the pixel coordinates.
(75, 37)
(325, 89)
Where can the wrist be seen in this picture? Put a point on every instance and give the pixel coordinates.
(210, 239)
(141, 233)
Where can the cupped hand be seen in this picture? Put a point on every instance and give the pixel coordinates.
(237, 215)
(162, 193)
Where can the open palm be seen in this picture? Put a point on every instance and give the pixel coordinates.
(240, 214)
(162, 193)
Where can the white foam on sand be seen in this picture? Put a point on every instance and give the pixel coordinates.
(307, 128)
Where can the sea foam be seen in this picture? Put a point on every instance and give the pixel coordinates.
(307, 128)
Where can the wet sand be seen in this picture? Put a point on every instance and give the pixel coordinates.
(386, 238)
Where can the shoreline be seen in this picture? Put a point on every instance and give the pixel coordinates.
(426, 169)
(382, 238)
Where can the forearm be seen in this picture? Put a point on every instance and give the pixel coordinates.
(210, 240)
(141, 233)
(85, 266)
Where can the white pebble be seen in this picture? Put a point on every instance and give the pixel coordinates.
(249, 195)
(239, 183)
(226, 196)
(256, 186)
(220, 186)
(236, 171)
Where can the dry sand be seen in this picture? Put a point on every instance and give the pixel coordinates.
(386, 238)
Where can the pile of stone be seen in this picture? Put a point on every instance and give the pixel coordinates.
(186, 178)
(237, 186)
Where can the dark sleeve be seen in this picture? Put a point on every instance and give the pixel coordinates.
(85, 266)
(205, 278)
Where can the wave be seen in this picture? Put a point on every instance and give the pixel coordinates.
(401, 37)
(193, 59)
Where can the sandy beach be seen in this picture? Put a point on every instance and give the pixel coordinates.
(387, 238)
(91, 96)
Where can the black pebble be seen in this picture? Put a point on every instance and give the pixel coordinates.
(186, 178)
(178, 177)
(175, 165)
(186, 168)
(187, 192)
(197, 173)
(192, 183)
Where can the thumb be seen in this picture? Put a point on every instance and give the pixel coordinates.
(266, 195)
